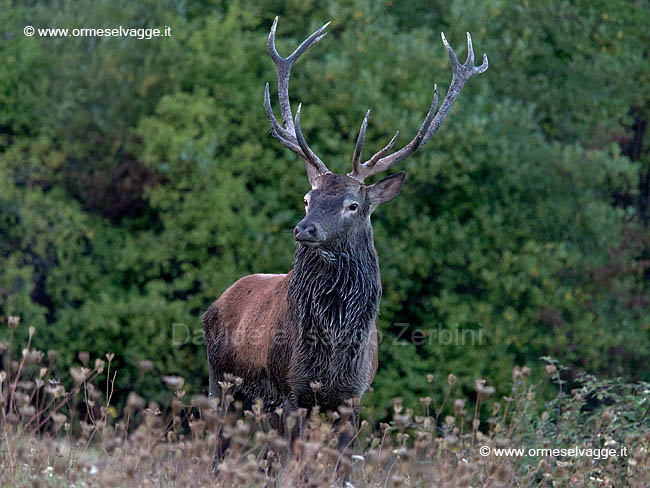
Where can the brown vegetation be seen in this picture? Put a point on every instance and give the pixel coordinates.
(56, 435)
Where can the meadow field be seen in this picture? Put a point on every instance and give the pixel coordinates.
(61, 436)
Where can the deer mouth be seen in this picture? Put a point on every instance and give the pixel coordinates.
(309, 242)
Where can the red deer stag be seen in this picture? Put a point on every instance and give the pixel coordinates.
(284, 333)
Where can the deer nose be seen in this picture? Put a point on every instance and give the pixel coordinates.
(308, 232)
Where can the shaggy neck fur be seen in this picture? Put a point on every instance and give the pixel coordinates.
(334, 295)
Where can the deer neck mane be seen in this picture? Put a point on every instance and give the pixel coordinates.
(336, 293)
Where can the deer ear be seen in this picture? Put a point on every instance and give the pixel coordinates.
(386, 189)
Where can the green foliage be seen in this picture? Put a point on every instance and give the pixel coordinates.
(138, 178)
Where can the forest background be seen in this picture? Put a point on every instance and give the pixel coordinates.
(139, 179)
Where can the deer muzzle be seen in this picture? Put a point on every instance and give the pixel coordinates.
(309, 233)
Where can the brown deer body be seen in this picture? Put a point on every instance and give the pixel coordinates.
(308, 337)
(283, 333)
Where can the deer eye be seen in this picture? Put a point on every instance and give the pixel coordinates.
(353, 206)
(305, 202)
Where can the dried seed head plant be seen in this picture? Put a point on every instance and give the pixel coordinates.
(62, 429)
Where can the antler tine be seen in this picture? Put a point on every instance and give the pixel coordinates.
(384, 150)
(356, 157)
(285, 138)
(275, 125)
(288, 144)
(286, 133)
(379, 165)
(460, 74)
(283, 68)
(318, 164)
(470, 51)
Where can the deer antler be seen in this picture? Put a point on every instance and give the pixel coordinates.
(460, 74)
(290, 134)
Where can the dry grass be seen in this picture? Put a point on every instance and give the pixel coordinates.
(53, 436)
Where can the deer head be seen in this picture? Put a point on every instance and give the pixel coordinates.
(339, 206)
